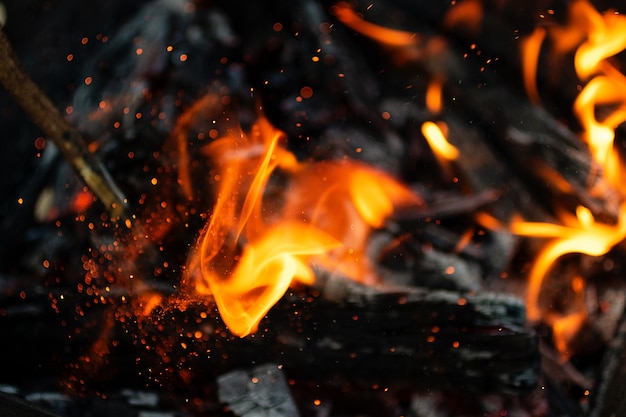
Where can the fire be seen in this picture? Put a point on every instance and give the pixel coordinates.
(602, 91)
(253, 248)
(600, 108)
(597, 38)
(578, 234)
(433, 96)
(436, 133)
(433, 133)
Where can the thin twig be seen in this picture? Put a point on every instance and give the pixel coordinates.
(69, 141)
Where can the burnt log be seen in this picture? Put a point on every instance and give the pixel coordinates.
(12, 406)
(345, 334)
(609, 398)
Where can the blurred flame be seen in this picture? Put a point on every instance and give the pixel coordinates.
(531, 47)
(564, 329)
(606, 36)
(437, 141)
(346, 15)
(467, 14)
(436, 133)
(253, 248)
(434, 93)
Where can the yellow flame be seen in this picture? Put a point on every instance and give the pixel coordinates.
(606, 37)
(252, 249)
(578, 234)
(603, 91)
(438, 142)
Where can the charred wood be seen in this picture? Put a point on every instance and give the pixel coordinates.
(15, 407)
(346, 334)
(609, 397)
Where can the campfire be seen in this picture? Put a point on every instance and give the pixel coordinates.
(320, 208)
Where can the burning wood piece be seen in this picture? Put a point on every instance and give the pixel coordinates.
(261, 391)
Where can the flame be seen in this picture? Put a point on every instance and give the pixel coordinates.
(392, 37)
(596, 37)
(600, 91)
(434, 92)
(564, 329)
(253, 248)
(433, 133)
(531, 47)
(606, 36)
(578, 234)
(467, 14)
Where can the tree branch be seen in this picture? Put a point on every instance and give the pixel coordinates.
(69, 141)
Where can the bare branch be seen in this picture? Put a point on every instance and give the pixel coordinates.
(69, 141)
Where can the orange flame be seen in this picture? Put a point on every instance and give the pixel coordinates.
(564, 329)
(346, 15)
(600, 135)
(531, 47)
(606, 36)
(437, 141)
(253, 248)
(434, 94)
(466, 14)
(597, 38)
(578, 234)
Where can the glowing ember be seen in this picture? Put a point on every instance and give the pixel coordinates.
(252, 250)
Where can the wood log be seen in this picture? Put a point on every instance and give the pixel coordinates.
(609, 397)
(15, 407)
(345, 334)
